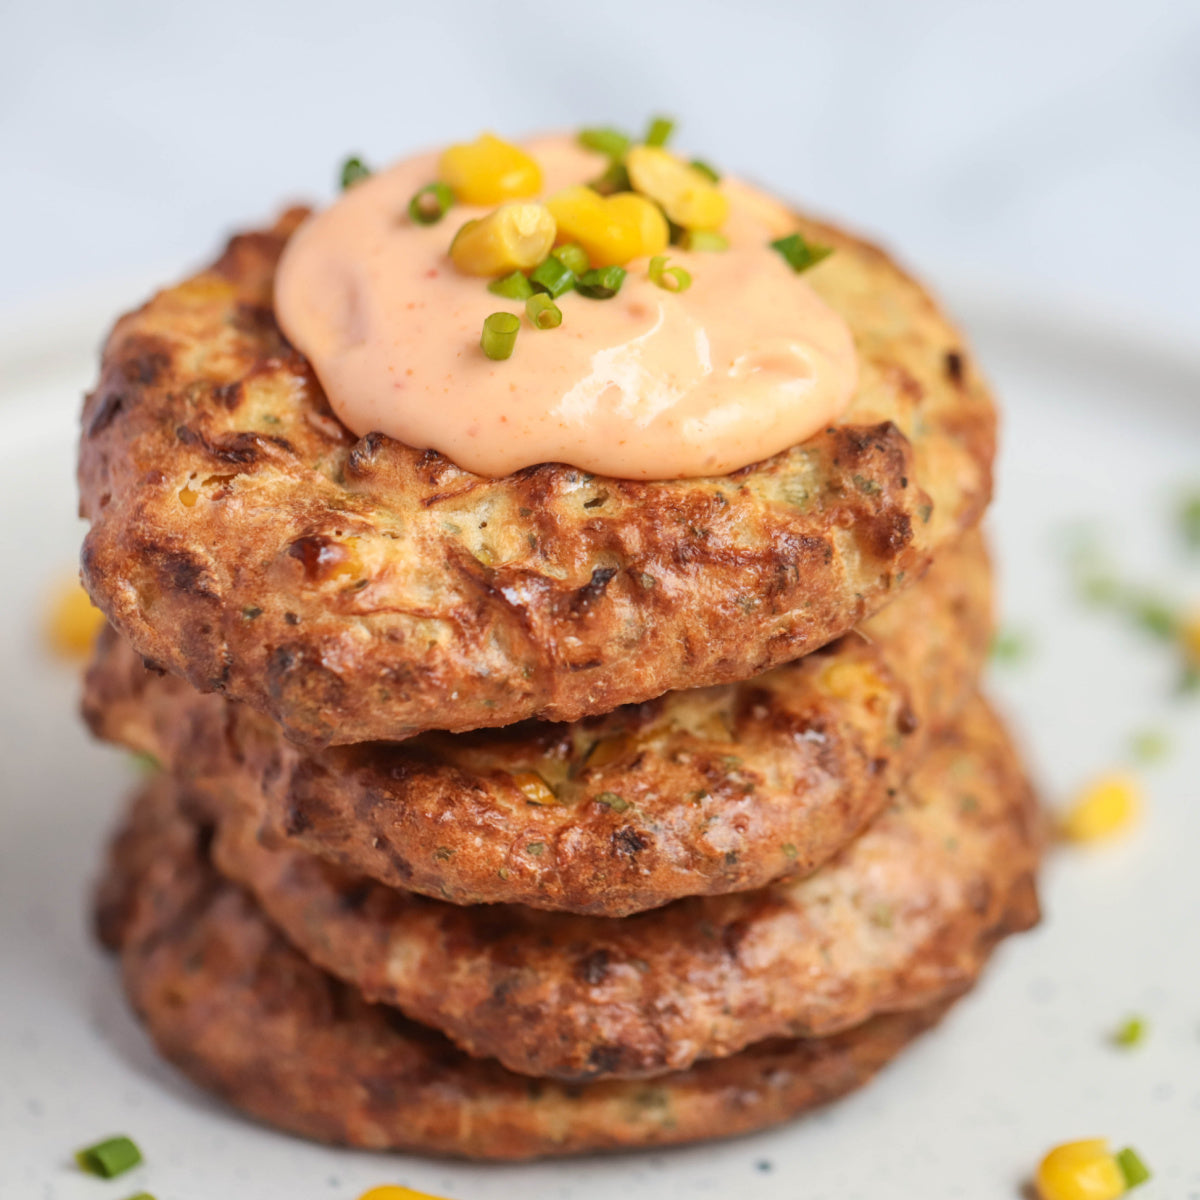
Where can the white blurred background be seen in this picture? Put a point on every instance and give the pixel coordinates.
(1048, 149)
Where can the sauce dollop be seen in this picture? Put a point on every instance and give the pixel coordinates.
(647, 385)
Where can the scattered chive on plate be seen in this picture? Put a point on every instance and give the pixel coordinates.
(109, 1158)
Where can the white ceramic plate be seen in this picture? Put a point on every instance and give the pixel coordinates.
(1102, 425)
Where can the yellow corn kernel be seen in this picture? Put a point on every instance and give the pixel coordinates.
(202, 290)
(328, 560)
(489, 170)
(687, 197)
(73, 622)
(192, 491)
(611, 229)
(391, 1191)
(858, 682)
(536, 790)
(1083, 1170)
(343, 566)
(1189, 635)
(516, 237)
(608, 750)
(1105, 808)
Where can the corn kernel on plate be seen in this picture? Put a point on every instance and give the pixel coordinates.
(1089, 1029)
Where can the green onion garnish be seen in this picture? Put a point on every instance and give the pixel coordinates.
(659, 133)
(499, 335)
(671, 279)
(1150, 745)
(111, 1157)
(543, 312)
(607, 141)
(800, 254)
(1154, 614)
(1130, 1033)
(614, 179)
(431, 204)
(553, 276)
(704, 239)
(698, 164)
(1134, 1171)
(1009, 646)
(512, 287)
(1189, 520)
(573, 257)
(141, 1196)
(354, 170)
(602, 284)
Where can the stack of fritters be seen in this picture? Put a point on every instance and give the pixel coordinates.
(551, 813)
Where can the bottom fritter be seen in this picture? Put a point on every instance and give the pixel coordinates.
(235, 1007)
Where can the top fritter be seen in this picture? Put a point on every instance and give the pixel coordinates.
(363, 588)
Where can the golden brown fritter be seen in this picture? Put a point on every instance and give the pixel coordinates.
(904, 916)
(234, 1007)
(360, 589)
(701, 792)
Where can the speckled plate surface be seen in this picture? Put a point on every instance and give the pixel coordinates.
(1103, 425)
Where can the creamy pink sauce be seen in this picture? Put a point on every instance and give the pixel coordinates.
(648, 385)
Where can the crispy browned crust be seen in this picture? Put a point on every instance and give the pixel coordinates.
(362, 590)
(701, 792)
(231, 1004)
(904, 916)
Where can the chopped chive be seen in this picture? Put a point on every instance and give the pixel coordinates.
(499, 335)
(612, 142)
(141, 1196)
(1009, 647)
(111, 1157)
(1097, 588)
(1150, 745)
(1189, 520)
(1130, 1033)
(601, 284)
(698, 164)
(703, 239)
(613, 800)
(543, 312)
(552, 275)
(1133, 1170)
(1154, 615)
(354, 170)
(614, 179)
(670, 279)
(146, 763)
(431, 203)
(573, 257)
(800, 254)
(512, 287)
(659, 133)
